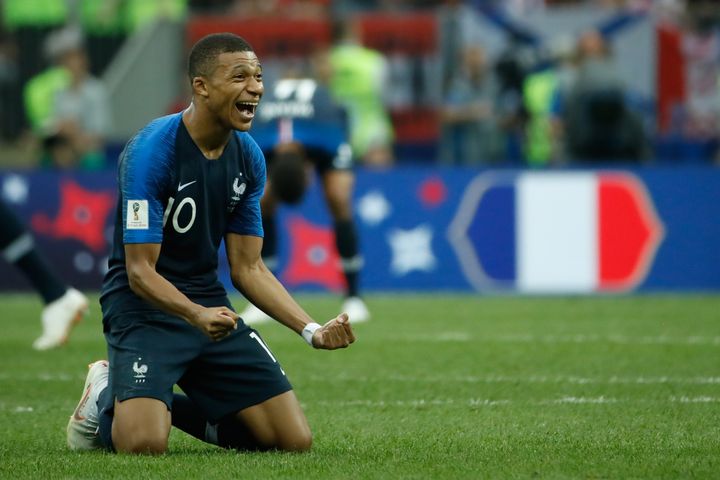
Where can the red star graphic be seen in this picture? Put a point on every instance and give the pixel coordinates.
(82, 215)
(313, 256)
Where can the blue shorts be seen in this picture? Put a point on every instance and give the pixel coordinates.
(151, 351)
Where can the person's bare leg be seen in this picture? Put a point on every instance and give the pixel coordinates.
(277, 423)
(338, 187)
(141, 425)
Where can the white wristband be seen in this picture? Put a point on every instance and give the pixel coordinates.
(308, 332)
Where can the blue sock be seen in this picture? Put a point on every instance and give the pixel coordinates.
(228, 433)
(346, 241)
(185, 416)
(106, 404)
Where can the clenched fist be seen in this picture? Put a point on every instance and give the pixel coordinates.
(215, 322)
(337, 333)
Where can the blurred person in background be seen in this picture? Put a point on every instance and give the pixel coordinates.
(469, 131)
(27, 24)
(539, 91)
(543, 92)
(64, 306)
(140, 13)
(300, 128)
(598, 124)
(358, 78)
(512, 116)
(103, 25)
(458, 25)
(10, 98)
(75, 126)
(700, 118)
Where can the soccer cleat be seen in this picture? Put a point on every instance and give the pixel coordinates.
(59, 317)
(252, 315)
(82, 428)
(356, 310)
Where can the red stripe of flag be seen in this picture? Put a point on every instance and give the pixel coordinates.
(629, 232)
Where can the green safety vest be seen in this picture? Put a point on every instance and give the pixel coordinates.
(356, 71)
(141, 12)
(39, 93)
(538, 92)
(33, 13)
(102, 16)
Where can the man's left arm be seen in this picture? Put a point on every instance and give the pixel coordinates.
(257, 283)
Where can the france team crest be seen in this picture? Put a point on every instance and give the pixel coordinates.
(565, 232)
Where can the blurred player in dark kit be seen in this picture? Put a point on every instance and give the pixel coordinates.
(299, 127)
(64, 306)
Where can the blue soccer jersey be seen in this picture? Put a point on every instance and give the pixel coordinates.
(169, 193)
(302, 111)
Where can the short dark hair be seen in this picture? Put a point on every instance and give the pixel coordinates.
(287, 174)
(205, 52)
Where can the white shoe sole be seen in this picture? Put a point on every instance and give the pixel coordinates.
(79, 434)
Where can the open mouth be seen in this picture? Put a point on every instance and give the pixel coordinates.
(247, 108)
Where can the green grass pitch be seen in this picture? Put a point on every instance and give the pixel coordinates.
(437, 386)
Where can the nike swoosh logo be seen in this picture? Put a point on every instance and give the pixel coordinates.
(183, 185)
(83, 401)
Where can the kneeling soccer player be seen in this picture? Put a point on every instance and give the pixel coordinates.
(188, 181)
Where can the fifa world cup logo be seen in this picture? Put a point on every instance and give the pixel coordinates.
(136, 209)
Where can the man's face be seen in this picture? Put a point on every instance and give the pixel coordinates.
(234, 88)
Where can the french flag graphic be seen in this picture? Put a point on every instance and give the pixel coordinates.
(567, 232)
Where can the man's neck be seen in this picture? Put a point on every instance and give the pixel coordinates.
(209, 137)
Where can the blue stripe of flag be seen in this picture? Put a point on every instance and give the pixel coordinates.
(492, 233)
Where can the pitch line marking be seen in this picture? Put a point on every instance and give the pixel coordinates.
(543, 379)
(470, 402)
(532, 379)
(701, 399)
(42, 377)
(582, 400)
(566, 338)
(487, 402)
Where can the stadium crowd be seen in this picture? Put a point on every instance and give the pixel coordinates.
(460, 100)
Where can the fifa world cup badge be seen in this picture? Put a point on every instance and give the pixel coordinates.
(139, 219)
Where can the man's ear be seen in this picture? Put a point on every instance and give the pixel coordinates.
(199, 86)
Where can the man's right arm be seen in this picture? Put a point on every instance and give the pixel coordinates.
(253, 279)
(147, 283)
(145, 171)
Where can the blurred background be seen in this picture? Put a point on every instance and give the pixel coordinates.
(532, 146)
